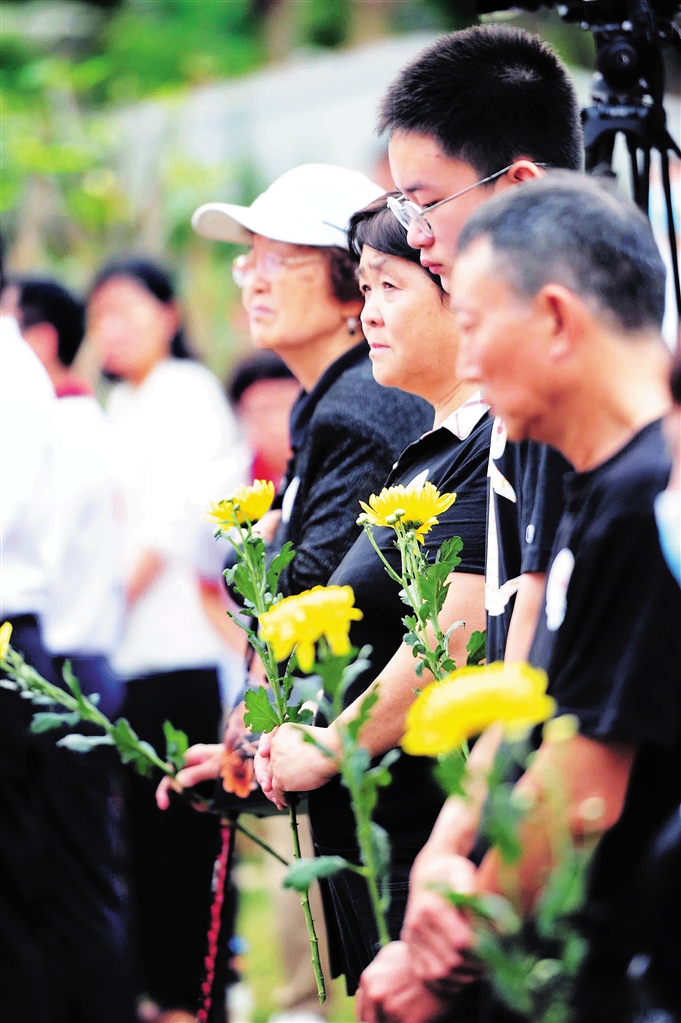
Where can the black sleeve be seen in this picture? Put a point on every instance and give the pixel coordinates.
(345, 467)
(616, 663)
(542, 505)
(465, 518)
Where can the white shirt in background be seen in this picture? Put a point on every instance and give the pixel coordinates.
(85, 535)
(27, 404)
(176, 448)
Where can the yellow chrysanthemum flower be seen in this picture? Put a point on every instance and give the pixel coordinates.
(302, 620)
(467, 701)
(416, 508)
(247, 502)
(5, 636)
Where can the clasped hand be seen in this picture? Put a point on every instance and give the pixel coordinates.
(410, 981)
(285, 762)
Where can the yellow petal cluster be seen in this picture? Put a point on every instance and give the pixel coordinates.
(467, 701)
(5, 636)
(247, 502)
(416, 507)
(302, 620)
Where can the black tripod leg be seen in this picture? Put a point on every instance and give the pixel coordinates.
(666, 184)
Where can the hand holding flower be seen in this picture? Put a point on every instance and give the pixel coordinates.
(389, 989)
(296, 764)
(438, 935)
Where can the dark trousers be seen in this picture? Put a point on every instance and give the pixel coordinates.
(64, 932)
(173, 852)
(350, 922)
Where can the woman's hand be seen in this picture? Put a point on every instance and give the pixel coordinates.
(285, 762)
(296, 764)
(202, 763)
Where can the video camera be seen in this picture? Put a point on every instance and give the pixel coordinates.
(628, 89)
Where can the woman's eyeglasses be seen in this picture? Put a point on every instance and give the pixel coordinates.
(408, 212)
(269, 265)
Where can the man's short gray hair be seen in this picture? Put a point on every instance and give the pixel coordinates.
(569, 229)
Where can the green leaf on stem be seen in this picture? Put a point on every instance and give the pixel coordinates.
(84, 743)
(260, 715)
(476, 647)
(380, 775)
(380, 847)
(128, 744)
(47, 721)
(303, 872)
(450, 772)
(365, 707)
(500, 821)
(563, 894)
(279, 562)
(299, 715)
(448, 554)
(177, 745)
(508, 971)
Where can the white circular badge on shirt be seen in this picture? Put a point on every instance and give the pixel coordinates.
(557, 587)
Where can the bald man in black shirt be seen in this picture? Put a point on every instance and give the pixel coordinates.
(570, 354)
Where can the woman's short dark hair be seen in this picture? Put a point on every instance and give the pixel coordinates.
(158, 282)
(378, 227)
(343, 273)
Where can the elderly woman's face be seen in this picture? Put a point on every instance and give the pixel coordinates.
(408, 325)
(288, 296)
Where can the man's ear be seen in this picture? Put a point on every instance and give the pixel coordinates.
(521, 172)
(565, 317)
(44, 340)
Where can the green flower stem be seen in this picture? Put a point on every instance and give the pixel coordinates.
(363, 822)
(413, 571)
(258, 573)
(305, 903)
(235, 822)
(409, 582)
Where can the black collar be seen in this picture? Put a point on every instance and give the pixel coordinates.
(305, 404)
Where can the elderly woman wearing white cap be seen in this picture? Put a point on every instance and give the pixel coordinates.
(302, 297)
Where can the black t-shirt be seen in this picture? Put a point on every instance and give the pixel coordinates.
(524, 505)
(610, 639)
(408, 808)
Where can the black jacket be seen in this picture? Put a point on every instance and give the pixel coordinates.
(345, 435)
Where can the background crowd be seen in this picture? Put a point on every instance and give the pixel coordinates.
(380, 354)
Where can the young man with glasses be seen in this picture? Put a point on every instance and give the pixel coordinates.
(478, 112)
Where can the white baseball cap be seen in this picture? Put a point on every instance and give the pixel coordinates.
(309, 205)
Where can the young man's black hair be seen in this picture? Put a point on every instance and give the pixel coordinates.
(44, 301)
(489, 95)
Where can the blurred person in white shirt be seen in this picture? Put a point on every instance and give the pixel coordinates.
(83, 614)
(26, 405)
(176, 448)
(83, 872)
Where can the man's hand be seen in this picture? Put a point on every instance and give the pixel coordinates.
(438, 936)
(202, 763)
(389, 990)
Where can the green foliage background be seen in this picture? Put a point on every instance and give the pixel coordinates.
(66, 66)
